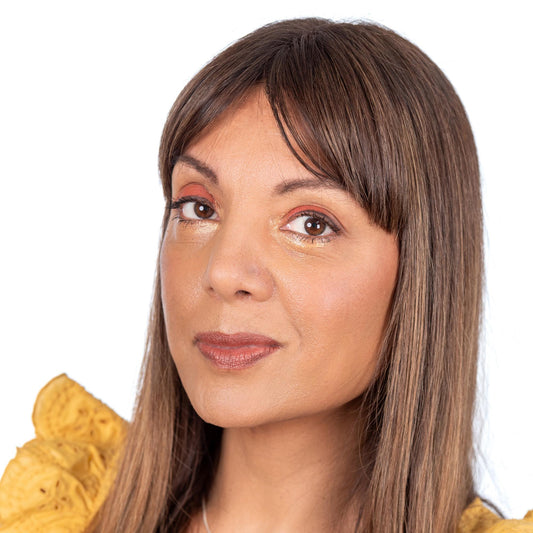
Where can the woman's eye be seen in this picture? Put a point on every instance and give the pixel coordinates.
(312, 225)
(193, 209)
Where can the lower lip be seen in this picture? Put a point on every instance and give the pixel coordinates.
(235, 357)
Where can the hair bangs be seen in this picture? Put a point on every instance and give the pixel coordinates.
(336, 119)
(330, 105)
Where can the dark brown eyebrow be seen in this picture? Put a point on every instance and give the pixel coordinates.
(308, 183)
(281, 188)
(200, 167)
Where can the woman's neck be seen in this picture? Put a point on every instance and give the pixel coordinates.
(294, 475)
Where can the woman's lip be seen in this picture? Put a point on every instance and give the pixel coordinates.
(217, 338)
(233, 351)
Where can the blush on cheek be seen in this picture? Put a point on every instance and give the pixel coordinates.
(356, 307)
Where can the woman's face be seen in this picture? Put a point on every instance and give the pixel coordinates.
(257, 245)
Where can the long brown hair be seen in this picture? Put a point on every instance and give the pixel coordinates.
(368, 109)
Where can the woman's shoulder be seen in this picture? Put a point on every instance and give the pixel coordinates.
(57, 481)
(477, 518)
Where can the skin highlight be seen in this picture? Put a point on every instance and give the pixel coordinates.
(251, 266)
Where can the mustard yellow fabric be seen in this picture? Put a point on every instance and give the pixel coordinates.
(478, 519)
(57, 481)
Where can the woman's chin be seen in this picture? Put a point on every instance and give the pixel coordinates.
(232, 414)
(232, 420)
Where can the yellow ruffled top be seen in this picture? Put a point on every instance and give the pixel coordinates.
(57, 481)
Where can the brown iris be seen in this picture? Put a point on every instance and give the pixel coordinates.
(203, 210)
(314, 226)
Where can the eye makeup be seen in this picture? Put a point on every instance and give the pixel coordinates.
(195, 189)
(319, 217)
(195, 204)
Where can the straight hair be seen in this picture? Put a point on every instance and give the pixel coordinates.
(362, 106)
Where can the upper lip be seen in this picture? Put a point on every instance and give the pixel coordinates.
(217, 338)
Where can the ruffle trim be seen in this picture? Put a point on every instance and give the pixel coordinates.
(57, 481)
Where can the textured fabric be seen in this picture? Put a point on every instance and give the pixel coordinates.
(57, 481)
(478, 519)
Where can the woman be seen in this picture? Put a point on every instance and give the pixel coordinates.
(311, 359)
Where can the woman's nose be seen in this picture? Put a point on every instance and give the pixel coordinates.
(236, 268)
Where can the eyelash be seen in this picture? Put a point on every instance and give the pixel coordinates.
(177, 204)
(315, 238)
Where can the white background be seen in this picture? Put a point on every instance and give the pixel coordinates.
(84, 91)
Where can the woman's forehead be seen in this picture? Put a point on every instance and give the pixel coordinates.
(246, 147)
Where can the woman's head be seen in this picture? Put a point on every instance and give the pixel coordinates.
(237, 257)
(374, 121)
(361, 107)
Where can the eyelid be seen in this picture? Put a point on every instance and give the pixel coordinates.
(195, 189)
(335, 228)
(303, 210)
(184, 200)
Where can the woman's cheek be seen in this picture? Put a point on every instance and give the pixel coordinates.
(178, 281)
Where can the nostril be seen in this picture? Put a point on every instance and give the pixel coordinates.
(243, 280)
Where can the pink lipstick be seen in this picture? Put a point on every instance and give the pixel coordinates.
(234, 351)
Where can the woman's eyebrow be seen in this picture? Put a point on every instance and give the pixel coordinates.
(306, 183)
(200, 167)
(284, 187)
